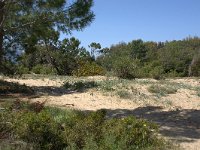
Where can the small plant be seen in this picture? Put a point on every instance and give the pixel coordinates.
(107, 85)
(80, 86)
(198, 92)
(124, 94)
(43, 69)
(162, 90)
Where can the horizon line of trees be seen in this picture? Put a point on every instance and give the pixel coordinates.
(135, 59)
(138, 59)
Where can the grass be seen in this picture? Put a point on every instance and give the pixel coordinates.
(54, 128)
(124, 94)
(162, 90)
(198, 91)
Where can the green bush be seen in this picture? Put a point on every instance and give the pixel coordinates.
(22, 70)
(43, 69)
(80, 85)
(89, 69)
(40, 129)
(126, 68)
(157, 73)
(53, 128)
(195, 67)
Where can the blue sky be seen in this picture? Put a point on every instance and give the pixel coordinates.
(151, 20)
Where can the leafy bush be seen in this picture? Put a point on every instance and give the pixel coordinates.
(43, 69)
(126, 68)
(80, 85)
(53, 128)
(22, 70)
(157, 73)
(89, 69)
(162, 90)
(107, 85)
(195, 66)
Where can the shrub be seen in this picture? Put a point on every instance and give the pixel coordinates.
(43, 69)
(89, 69)
(22, 70)
(53, 128)
(80, 86)
(40, 129)
(157, 73)
(126, 68)
(194, 69)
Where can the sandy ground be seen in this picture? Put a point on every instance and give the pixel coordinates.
(177, 114)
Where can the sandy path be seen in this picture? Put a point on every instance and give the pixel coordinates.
(179, 122)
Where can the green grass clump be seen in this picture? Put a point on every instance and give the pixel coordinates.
(198, 92)
(162, 90)
(80, 85)
(54, 128)
(124, 94)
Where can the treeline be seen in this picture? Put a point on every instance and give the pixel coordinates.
(138, 59)
(135, 59)
(64, 57)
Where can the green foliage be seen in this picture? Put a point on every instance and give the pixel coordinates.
(126, 68)
(88, 69)
(138, 59)
(61, 58)
(162, 90)
(157, 73)
(108, 85)
(22, 70)
(43, 69)
(124, 94)
(198, 92)
(137, 49)
(80, 85)
(40, 129)
(53, 128)
(21, 23)
(194, 69)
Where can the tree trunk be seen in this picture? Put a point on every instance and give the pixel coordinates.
(2, 4)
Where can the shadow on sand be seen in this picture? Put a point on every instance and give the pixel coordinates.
(182, 125)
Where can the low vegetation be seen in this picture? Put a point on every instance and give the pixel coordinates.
(80, 85)
(30, 43)
(124, 94)
(54, 128)
(162, 90)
